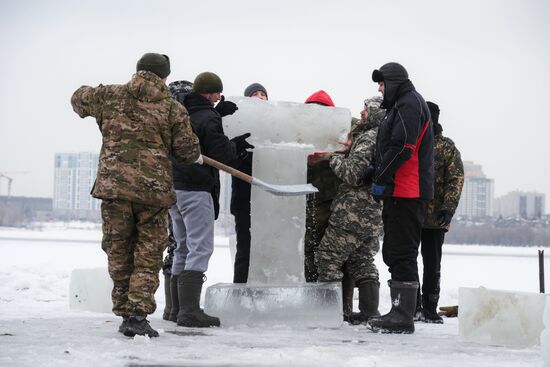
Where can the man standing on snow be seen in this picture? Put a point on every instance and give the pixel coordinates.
(141, 127)
(197, 189)
(403, 179)
(321, 176)
(240, 200)
(449, 179)
(351, 241)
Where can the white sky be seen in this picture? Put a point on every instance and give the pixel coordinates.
(486, 63)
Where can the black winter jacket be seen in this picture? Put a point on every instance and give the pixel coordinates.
(404, 147)
(207, 125)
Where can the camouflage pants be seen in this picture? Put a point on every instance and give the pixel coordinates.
(134, 238)
(339, 247)
(317, 215)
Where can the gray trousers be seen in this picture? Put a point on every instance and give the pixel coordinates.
(193, 226)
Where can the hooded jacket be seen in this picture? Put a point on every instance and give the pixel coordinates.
(207, 124)
(404, 147)
(142, 126)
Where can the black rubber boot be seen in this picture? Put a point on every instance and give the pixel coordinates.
(167, 297)
(175, 299)
(347, 296)
(139, 325)
(369, 295)
(418, 313)
(429, 305)
(400, 318)
(123, 324)
(189, 293)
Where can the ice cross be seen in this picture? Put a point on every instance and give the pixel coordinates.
(283, 134)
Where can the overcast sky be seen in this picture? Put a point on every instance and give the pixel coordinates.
(486, 63)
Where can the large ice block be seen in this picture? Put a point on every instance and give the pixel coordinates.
(298, 306)
(277, 223)
(90, 290)
(545, 335)
(285, 122)
(500, 317)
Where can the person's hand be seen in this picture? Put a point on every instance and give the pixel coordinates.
(444, 218)
(346, 145)
(225, 108)
(199, 160)
(241, 144)
(318, 157)
(377, 190)
(367, 175)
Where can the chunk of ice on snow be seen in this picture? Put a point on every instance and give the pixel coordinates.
(90, 290)
(500, 317)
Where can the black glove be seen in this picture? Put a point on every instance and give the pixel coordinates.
(225, 108)
(444, 218)
(367, 175)
(241, 144)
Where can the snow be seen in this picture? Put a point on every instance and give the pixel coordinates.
(37, 327)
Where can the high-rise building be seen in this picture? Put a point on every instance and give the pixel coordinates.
(518, 204)
(477, 194)
(74, 178)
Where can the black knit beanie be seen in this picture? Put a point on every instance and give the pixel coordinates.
(253, 88)
(207, 82)
(156, 63)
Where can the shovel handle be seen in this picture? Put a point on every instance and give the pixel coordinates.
(232, 171)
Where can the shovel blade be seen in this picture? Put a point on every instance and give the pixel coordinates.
(285, 190)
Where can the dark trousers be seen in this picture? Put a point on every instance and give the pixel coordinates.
(402, 229)
(430, 248)
(242, 257)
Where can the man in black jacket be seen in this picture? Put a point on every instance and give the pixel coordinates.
(197, 190)
(240, 200)
(403, 179)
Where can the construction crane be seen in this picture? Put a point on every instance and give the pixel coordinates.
(9, 179)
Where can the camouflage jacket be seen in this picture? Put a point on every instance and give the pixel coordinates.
(449, 179)
(141, 127)
(353, 208)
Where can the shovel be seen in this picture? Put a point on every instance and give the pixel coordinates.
(279, 190)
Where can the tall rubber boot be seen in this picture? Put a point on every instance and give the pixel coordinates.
(175, 299)
(167, 297)
(369, 295)
(347, 296)
(189, 293)
(418, 313)
(400, 318)
(429, 305)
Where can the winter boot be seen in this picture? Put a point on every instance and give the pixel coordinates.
(429, 305)
(189, 293)
(347, 296)
(139, 325)
(418, 314)
(400, 318)
(167, 297)
(368, 302)
(123, 324)
(175, 299)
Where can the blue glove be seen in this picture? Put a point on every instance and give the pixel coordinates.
(377, 190)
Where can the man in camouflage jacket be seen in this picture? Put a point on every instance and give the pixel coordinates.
(351, 237)
(449, 179)
(141, 127)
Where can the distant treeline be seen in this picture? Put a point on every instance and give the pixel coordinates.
(500, 231)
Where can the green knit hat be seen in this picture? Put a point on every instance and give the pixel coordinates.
(208, 82)
(156, 63)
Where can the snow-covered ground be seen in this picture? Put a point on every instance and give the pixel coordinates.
(37, 327)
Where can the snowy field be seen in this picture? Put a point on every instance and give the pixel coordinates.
(38, 329)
